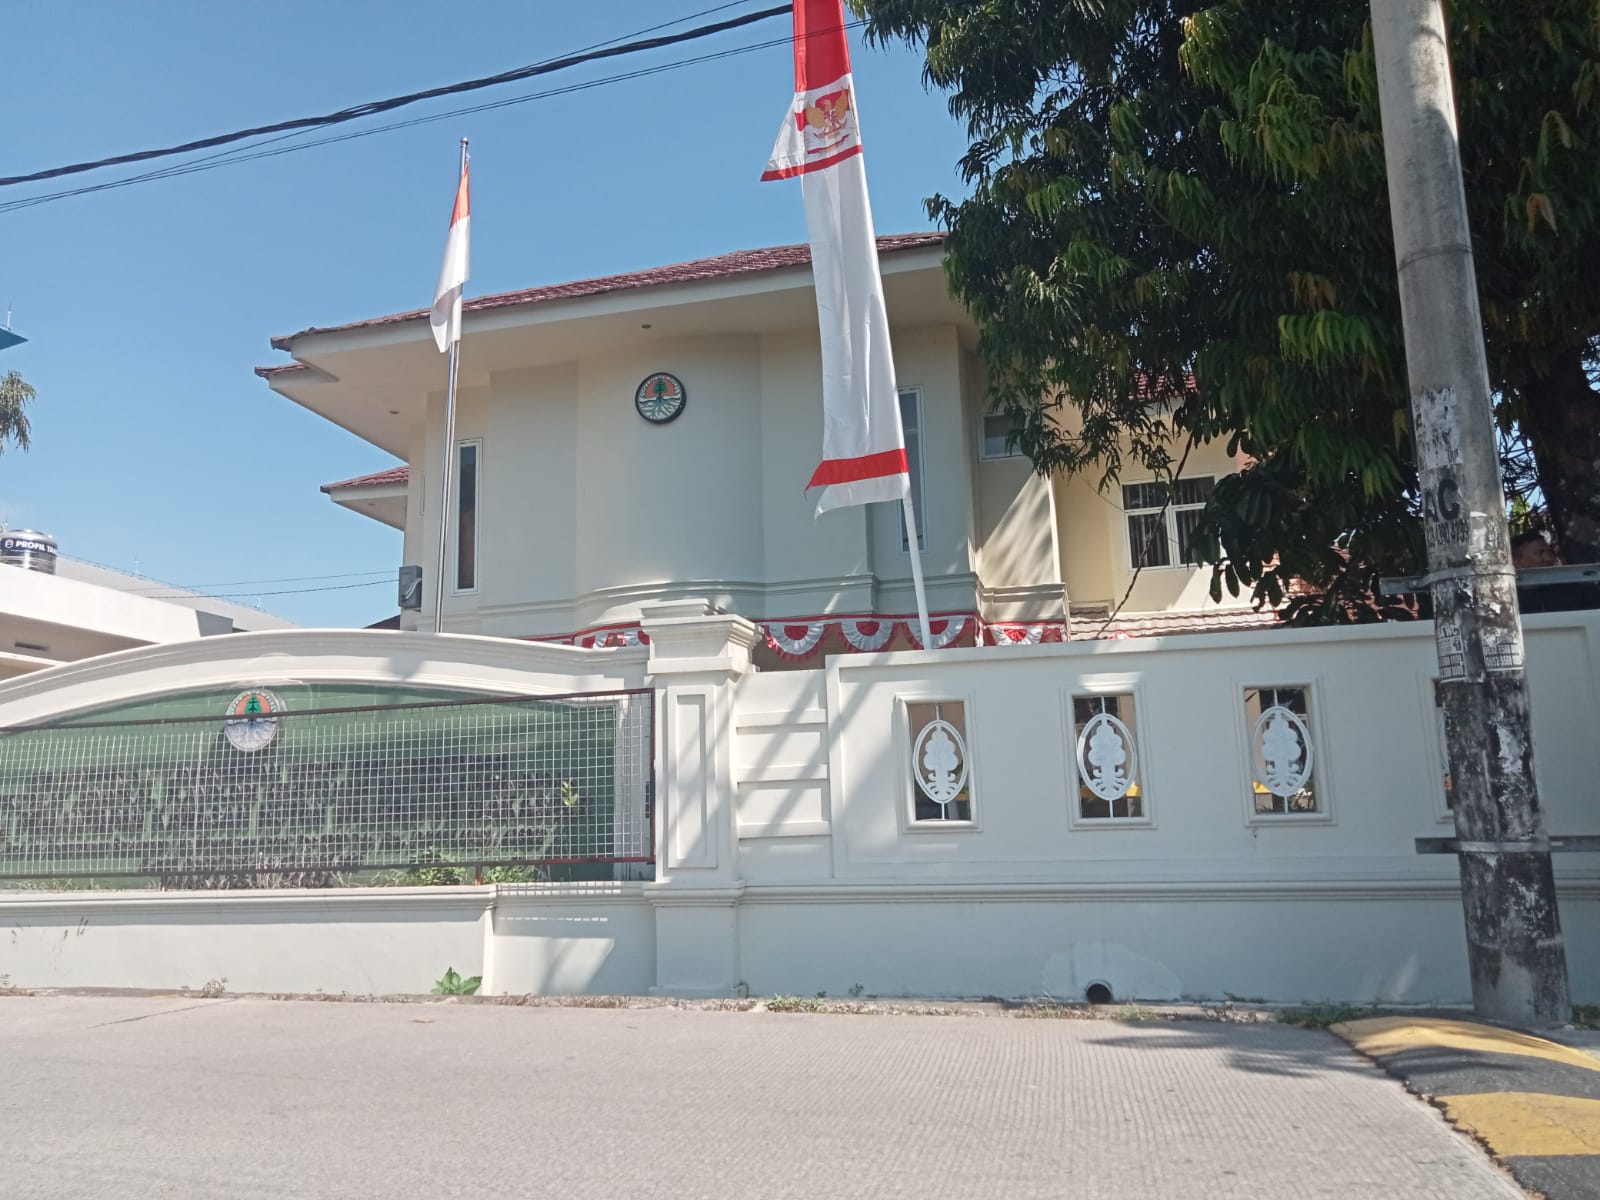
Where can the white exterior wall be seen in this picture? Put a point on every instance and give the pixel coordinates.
(929, 362)
(787, 862)
(811, 565)
(585, 512)
(86, 610)
(1097, 560)
(364, 941)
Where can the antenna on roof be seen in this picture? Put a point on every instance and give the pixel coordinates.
(7, 325)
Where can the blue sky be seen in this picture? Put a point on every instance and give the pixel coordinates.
(154, 445)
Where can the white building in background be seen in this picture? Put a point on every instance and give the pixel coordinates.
(55, 609)
(647, 437)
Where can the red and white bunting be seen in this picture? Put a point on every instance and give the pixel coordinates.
(800, 638)
(610, 637)
(866, 634)
(1026, 633)
(794, 639)
(944, 629)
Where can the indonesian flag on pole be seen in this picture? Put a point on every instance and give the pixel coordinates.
(863, 445)
(445, 317)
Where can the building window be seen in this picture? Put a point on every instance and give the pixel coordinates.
(941, 789)
(1157, 537)
(1000, 432)
(911, 423)
(1281, 779)
(1107, 758)
(467, 516)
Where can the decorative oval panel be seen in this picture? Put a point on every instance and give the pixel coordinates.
(1282, 744)
(939, 761)
(1108, 761)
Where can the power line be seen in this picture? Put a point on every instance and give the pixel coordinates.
(223, 157)
(336, 587)
(244, 154)
(374, 107)
(233, 583)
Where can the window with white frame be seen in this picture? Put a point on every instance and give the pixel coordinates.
(1158, 530)
(941, 776)
(1282, 778)
(466, 513)
(1107, 758)
(1000, 430)
(911, 423)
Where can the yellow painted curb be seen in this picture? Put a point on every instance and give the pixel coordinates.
(1516, 1123)
(1383, 1037)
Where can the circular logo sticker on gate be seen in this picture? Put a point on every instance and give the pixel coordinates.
(254, 723)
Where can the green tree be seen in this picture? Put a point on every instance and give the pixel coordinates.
(1178, 231)
(15, 395)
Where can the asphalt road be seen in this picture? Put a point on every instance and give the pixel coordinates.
(184, 1098)
(1534, 1102)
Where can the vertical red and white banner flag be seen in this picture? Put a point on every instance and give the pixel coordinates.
(445, 316)
(863, 445)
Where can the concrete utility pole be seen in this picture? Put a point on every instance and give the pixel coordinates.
(1518, 961)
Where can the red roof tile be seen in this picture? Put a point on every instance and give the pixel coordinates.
(1092, 623)
(400, 474)
(280, 369)
(740, 262)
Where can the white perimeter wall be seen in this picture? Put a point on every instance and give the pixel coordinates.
(788, 861)
(1206, 898)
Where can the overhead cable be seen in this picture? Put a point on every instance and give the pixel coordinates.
(199, 588)
(337, 587)
(260, 150)
(373, 107)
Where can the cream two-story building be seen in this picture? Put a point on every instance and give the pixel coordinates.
(648, 436)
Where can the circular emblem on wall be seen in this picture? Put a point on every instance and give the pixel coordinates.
(660, 398)
(253, 724)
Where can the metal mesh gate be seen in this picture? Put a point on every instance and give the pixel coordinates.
(192, 800)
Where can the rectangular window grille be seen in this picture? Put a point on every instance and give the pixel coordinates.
(941, 778)
(467, 517)
(329, 796)
(1159, 537)
(911, 423)
(1109, 787)
(999, 440)
(1282, 765)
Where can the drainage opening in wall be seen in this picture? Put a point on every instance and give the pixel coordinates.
(1098, 993)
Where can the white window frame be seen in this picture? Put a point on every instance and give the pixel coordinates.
(1107, 685)
(454, 565)
(1170, 519)
(984, 453)
(917, 470)
(907, 790)
(1321, 773)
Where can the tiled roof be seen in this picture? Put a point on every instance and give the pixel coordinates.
(740, 262)
(280, 369)
(400, 474)
(1091, 623)
(1147, 388)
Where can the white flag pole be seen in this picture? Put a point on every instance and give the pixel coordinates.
(916, 570)
(449, 465)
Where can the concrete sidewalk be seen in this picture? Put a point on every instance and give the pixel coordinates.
(188, 1098)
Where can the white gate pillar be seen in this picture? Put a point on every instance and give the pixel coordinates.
(697, 658)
